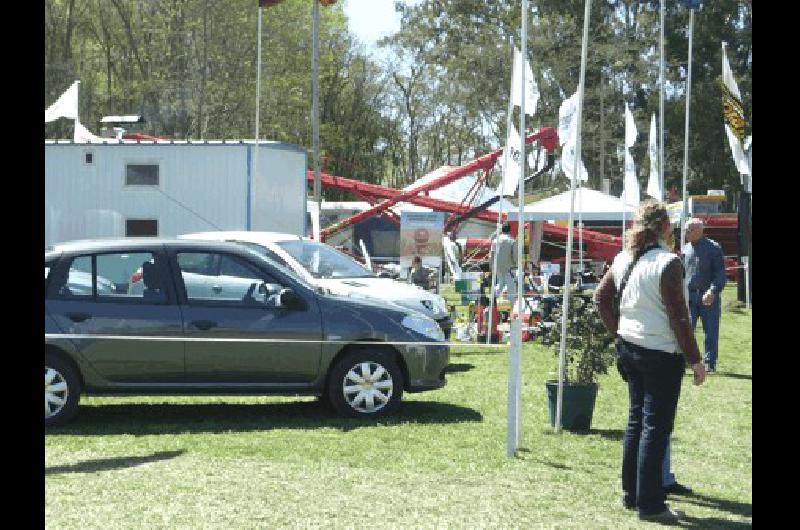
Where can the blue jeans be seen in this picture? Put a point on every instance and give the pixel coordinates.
(710, 315)
(654, 385)
(667, 476)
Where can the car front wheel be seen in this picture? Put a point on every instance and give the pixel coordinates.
(365, 384)
(61, 391)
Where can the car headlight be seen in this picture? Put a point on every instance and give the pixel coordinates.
(423, 326)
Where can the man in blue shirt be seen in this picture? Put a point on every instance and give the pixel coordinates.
(705, 276)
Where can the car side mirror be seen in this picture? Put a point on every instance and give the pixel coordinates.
(291, 300)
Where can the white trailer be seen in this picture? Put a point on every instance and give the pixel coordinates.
(166, 188)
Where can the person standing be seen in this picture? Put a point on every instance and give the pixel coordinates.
(505, 248)
(650, 319)
(705, 276)
(419, 275)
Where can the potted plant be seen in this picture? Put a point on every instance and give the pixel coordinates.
(589, 352)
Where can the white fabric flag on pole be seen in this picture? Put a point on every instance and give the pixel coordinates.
(630, 128)
(66, 106)
(568, 162)
(733, 115)
(653, 183)
(82, 135)
(531, 89)
(567, 119)
(567, 137)
(512, 168)
(630, 187)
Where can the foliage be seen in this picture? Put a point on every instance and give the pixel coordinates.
(189, 67)
(589, 347)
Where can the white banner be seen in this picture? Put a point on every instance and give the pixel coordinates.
(66, 106)
(531, 89)
(82, 135)
(653, 183)
(511, 168)
(568, 162)
(733, 113)
(567, 119)
(630, 128)
(630, 184)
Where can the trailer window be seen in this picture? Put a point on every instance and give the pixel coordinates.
(141, 174)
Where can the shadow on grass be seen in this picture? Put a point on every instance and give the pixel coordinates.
(712, 522)
(524, 453)
(107, 464)
(169, 418)
(609, 434)
(462, 367)
(734, 507)
(733, 376)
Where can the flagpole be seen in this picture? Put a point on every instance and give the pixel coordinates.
(500, 210)
(568, 261)
(685, 207)
(315, 114)
(515, 351)
(254, 178)
(661, 108)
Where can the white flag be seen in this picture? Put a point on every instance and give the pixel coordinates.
(630, 187)
(531, 89)
(653, 183)
(630, 128)
(66, 106)
(82, 135)
(511, 157)
(568, 155)
(732, 103)
(568, 119)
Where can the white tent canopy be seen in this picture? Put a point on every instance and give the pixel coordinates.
(592, 205)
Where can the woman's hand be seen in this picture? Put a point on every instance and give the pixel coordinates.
(699, 370)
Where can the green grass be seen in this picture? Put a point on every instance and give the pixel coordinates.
(254, 462)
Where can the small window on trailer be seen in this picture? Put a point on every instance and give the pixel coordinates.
(141, 227)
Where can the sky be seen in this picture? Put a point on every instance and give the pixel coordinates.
(373, 19)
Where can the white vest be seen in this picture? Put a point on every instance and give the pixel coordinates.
(643, 317)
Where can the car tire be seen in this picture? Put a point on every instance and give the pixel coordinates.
(62, 390)
(355, 396)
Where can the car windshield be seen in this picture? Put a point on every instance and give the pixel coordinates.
(323, 261)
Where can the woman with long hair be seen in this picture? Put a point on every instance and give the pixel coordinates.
(642, 301)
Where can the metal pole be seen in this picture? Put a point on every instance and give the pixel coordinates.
(746, 281)
(568, 261)
(685, 208)
(515, 351)
(258, 105)
(315, 114)
(661, 108)
(500, 211)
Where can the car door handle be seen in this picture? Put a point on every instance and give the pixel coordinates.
(203, 324)
(217, 289)
(78, 316)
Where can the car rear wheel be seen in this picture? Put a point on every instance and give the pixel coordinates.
(365, 384)
(61, 391)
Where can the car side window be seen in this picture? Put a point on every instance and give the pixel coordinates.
(77, 282)
(131, 277)
(264, 251)
(239, 283)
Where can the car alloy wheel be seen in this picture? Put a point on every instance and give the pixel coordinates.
(367, 387)
(56, 392)
(62, 390)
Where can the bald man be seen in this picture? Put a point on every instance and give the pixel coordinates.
(705, 277)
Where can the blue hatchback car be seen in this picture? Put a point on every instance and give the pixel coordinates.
(157, 316)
